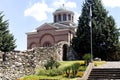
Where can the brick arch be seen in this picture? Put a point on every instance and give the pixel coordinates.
(62, 42)
(44, 35)
(32, 45)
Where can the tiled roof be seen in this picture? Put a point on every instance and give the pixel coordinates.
(62, 26)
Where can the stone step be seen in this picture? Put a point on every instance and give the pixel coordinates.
(104, 73)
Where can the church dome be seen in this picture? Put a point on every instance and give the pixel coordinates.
(60, 9)
(63, 15)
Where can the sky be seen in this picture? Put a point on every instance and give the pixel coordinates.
(26, 15)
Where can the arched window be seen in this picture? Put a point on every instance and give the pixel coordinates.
(47, 44)
(69, 17)
(55, 20)
(59, 17)
(64, 17)
(72, 18)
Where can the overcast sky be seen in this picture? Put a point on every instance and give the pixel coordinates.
(26, 15)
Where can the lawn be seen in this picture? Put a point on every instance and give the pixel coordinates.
(43, 74)
(60, 72)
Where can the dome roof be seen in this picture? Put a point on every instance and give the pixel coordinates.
(63, 10)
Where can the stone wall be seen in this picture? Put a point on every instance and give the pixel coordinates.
(19, 64)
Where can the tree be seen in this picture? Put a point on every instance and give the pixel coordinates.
(7, 41)
(104, 31)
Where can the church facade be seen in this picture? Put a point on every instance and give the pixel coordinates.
(48, 34)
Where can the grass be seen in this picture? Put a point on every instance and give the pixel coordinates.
(98, 63)
(61, 67)
(68, 63)
(35, 77)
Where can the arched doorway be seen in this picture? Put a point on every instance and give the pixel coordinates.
(65, 51)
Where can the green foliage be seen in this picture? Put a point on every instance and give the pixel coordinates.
(7, 42)
(82, 68)
(51, 64)
(54, 72)
(42, 72)
(50, 72)
(75, 68)
(64, 72)
(87, 58)
(56, 64)
(72, 70)
(104, 31)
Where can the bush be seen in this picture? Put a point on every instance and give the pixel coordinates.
(46, 65)
(87, 58)
(54, 72)
(71, 71)
(42, 72)
(82, 68)
(51, 63)
(75, 68)
(56, 64)
(79, 74)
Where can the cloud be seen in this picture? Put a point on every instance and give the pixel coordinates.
(38, 11)
(68, 4)
(111, 3)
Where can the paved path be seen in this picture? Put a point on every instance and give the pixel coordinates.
(110, 65)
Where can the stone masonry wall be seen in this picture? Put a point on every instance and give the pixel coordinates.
(19, 64)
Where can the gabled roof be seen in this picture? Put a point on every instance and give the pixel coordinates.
(49, 26)
(46, 26)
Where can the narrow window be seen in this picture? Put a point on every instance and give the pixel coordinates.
(59, 17)
(64, 17)
(69, 17)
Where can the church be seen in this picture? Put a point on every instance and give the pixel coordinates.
(62, 28)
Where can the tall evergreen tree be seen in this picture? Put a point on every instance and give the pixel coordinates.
(104, 32)
(7, 41)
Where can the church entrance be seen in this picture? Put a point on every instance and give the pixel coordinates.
(65, 51)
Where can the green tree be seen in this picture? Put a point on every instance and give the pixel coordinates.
(104, 31)
(7, 41)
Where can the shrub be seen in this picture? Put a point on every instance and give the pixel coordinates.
(67, 70)
(82, 68)
(71, 71)
(54, 72)
(42, 72)
(75, 68)
(79, 74)
(46, 65)
(51, 63)
(56, 64)
(65, 75)
(87, 58)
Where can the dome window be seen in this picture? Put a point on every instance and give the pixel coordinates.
(59, 17)
(55, 18)
(69, 17)
(64, 17)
